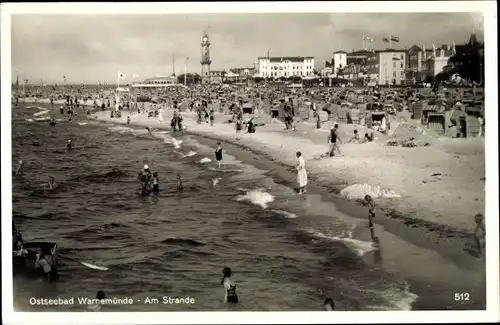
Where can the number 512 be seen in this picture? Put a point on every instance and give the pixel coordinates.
(462, 296)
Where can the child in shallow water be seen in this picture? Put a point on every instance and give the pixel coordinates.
(179, 182)
(371, 209)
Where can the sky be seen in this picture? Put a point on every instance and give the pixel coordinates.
(88, 48)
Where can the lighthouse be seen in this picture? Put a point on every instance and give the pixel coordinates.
(205, 59)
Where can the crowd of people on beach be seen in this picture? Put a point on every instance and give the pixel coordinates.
(205, 101)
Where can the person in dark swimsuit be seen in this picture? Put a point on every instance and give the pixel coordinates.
(69, 145)
(371, 209)
(332, 141)
(329, 304)
(229, 286)
(156, 186)
(218, 153)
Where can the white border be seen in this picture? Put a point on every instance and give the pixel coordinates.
(488, 8)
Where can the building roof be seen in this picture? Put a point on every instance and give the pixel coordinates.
(360, 53)
(391, 51)
(286, 58)
(160, 78)
(414, 48)
(339, 52)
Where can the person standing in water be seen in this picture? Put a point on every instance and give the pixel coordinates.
(371, 209)
(69, 146)
(229, 286)
(329, 305)
(145, 179)
(20, 168)
(156, 186)
(218, 153)
(333, 137)
(480, 232)
(149, 130)
(52, 183)
(301, 173)
(97, 307)
(179, 182)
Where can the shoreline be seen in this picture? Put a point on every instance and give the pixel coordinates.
(450, 243)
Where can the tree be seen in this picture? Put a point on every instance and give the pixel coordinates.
(191, 78)
(258, 79)
(468, 61)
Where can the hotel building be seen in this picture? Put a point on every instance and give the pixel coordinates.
(275, 67)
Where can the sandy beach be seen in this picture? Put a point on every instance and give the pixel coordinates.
(457, 166)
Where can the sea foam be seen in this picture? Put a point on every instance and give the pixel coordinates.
(257, 197)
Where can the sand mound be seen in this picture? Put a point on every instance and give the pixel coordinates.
(358, 191)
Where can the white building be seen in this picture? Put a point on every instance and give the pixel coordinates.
(275, 67)
(392, 65)
(433, 62)
(339, 61)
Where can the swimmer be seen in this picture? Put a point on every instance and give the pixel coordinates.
(128, 119)
(20, 168)
(52, 182)
(329, 304)
(371, 209)
(218, 153)
(149, 130)
(36, 143)
(97, 307)
(69, 145)
(179, 182)
(229, 286)
(61, 109)
(156, 187)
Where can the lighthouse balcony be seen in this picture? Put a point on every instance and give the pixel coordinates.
(206, 62)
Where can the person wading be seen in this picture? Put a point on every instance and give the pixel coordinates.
(301, 173)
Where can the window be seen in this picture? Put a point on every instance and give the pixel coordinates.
(394, 65)
(394, 74)
(402, 56)
(402, 65)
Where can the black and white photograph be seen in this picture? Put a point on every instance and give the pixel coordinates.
(249, 157)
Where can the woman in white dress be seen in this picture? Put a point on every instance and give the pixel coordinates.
(301, 173)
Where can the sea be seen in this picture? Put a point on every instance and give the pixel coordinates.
(287, 252)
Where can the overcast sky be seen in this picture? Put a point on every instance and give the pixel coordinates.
(87, 48)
